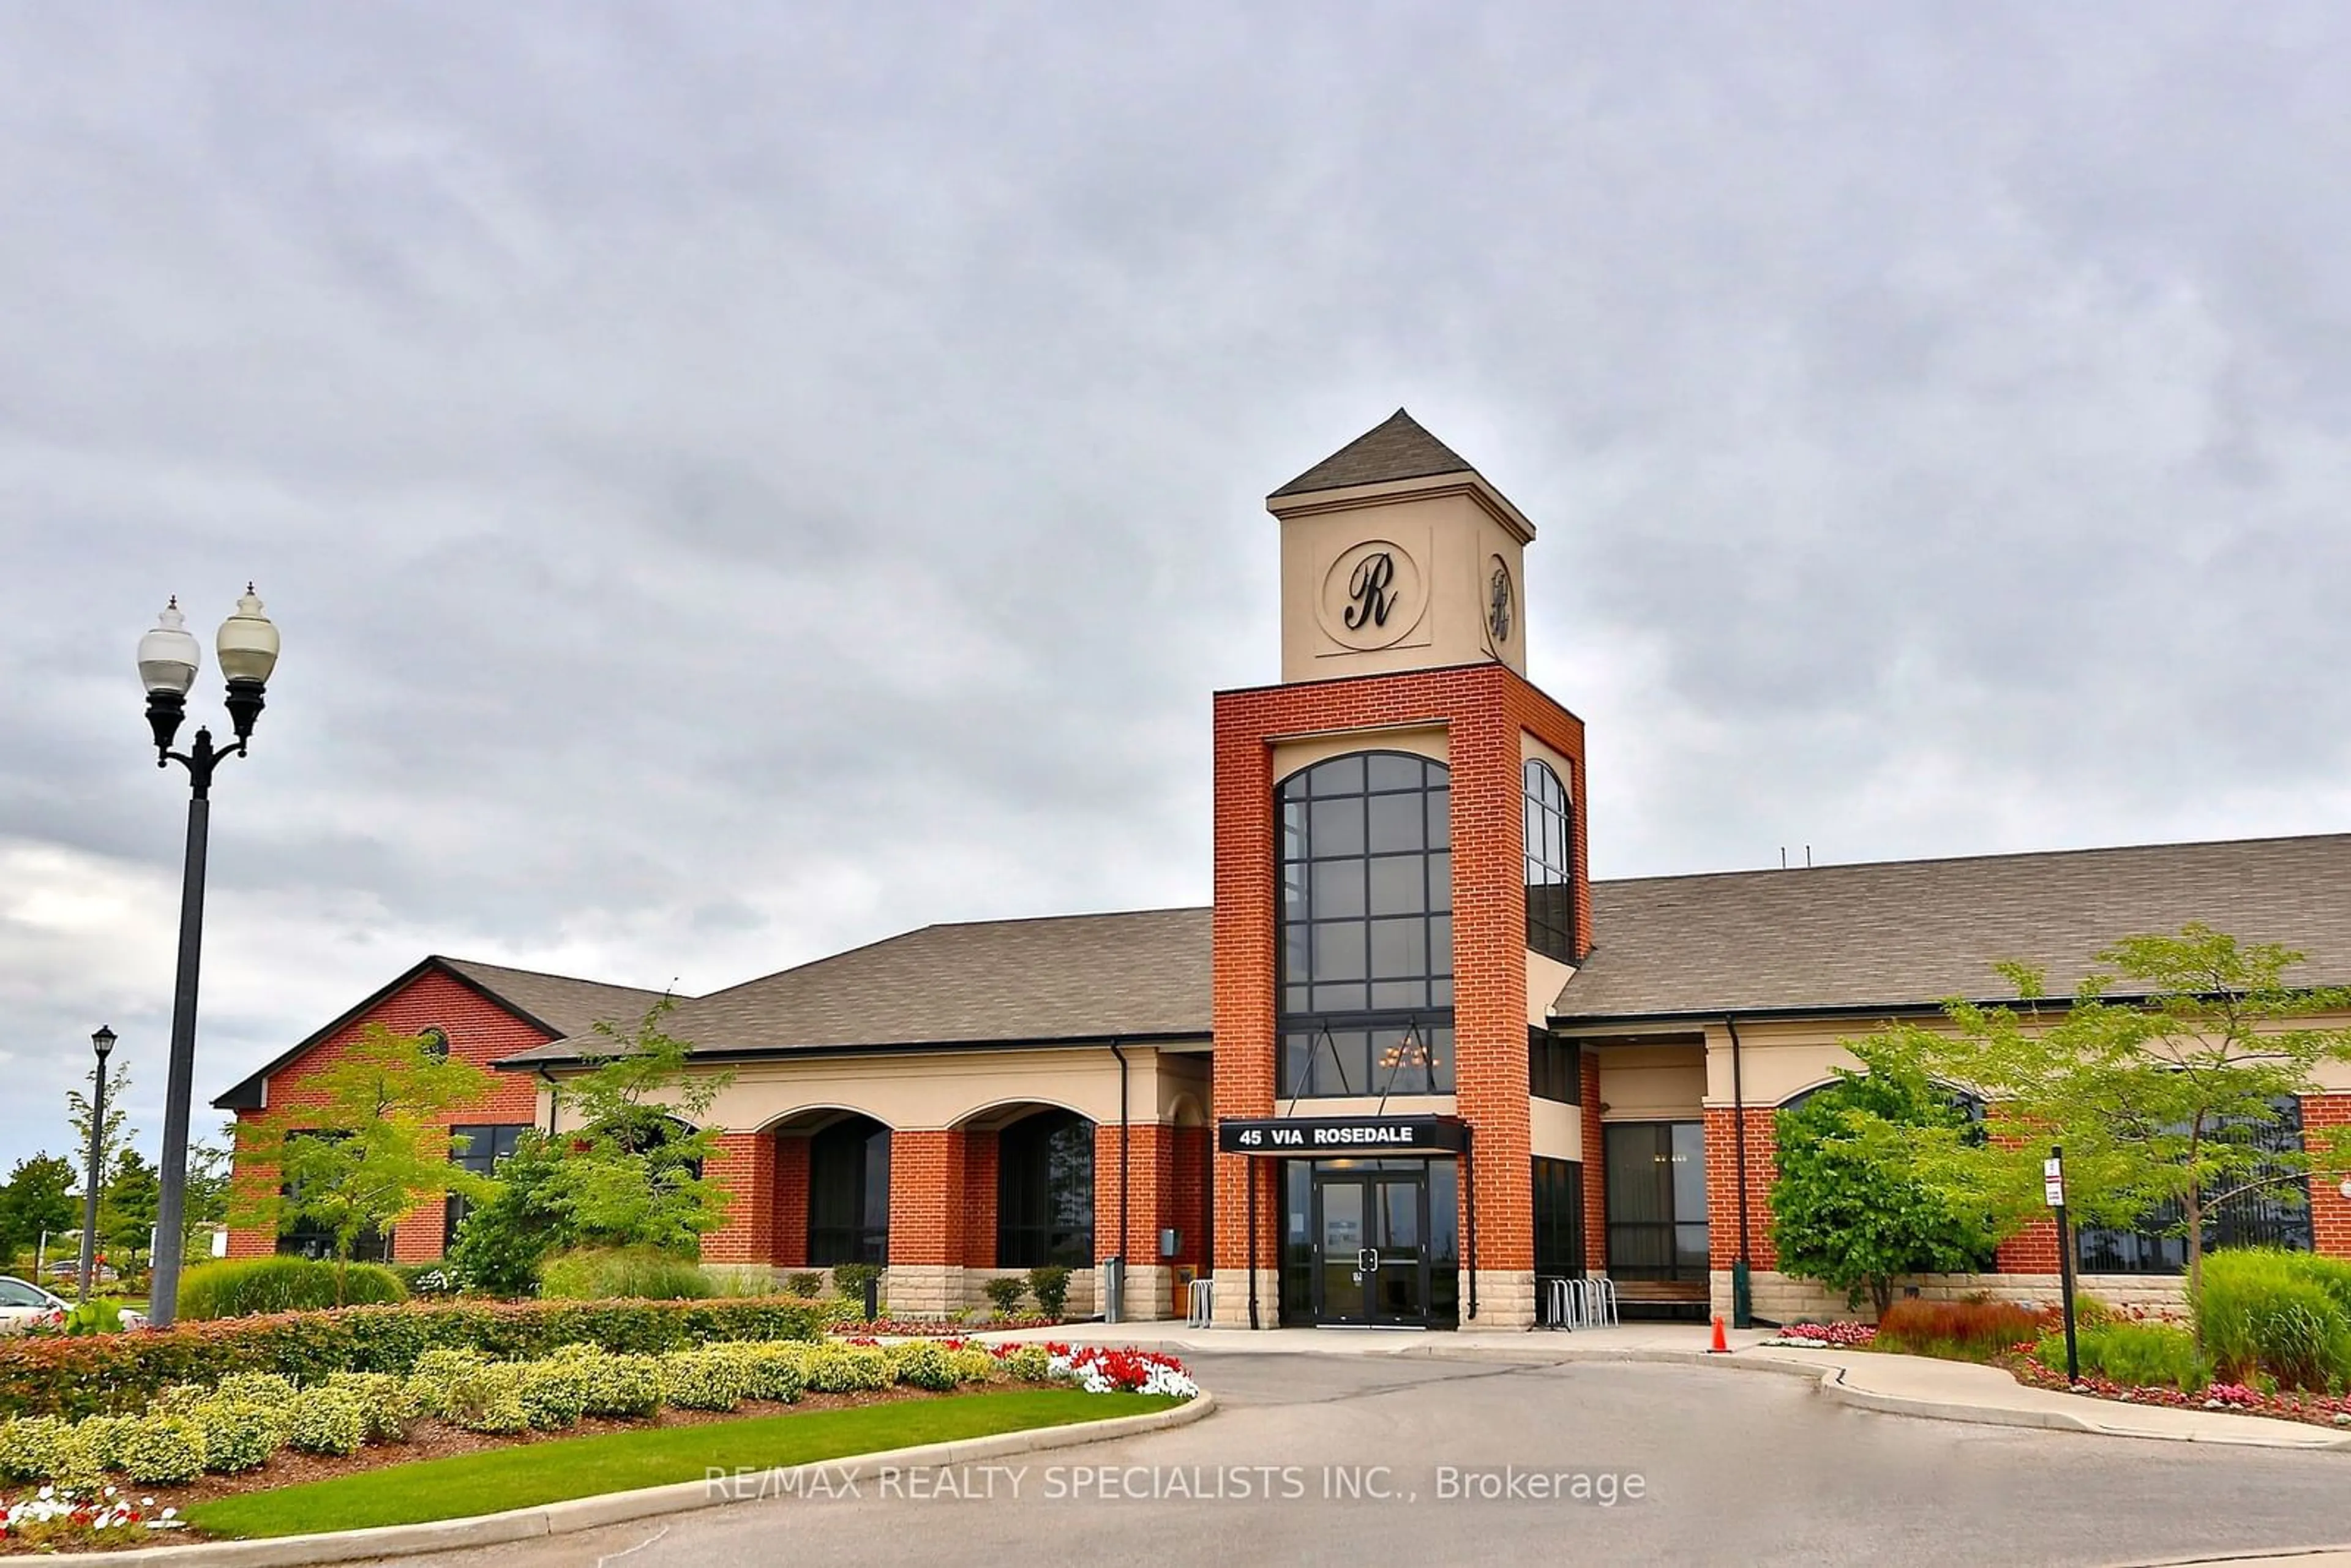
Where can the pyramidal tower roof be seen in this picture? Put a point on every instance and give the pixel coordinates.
(1396, 449)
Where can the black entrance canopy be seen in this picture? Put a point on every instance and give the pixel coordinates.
(1341, 1137)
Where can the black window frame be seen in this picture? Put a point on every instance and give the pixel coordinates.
(1554, 1067)
(1622, 1262)
(437, 1042)
(1550, 858)
(1559, 1219)
(486, 1143)
(847, 1162)
(1363, 925)
(2270, 1216)
(307, 1239)
(1044, 1201)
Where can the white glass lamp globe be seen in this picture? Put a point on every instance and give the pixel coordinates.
(247, 642)
(169, 656)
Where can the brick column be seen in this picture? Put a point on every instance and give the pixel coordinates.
(792, 1207)
(927, 1221)
(745, 1165)
(1242, 1005)
(979, 1192)
(1151, 1157)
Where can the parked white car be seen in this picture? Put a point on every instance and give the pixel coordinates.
(24, 1304)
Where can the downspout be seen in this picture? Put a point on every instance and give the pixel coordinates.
(1742, 1289)
(553, 1092)
(1125, 1135)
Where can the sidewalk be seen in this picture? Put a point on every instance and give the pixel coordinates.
(1894, 1385)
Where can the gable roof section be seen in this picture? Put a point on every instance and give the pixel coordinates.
(555, 1003)
(1905, 934)
(1396, 448)
(1132, 975)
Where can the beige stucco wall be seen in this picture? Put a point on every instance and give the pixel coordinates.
(1556, 1130)
(947, 1089)
(1651, 1083)
(1544, 977)
(1450, 532)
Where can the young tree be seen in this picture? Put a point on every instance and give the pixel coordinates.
(39, 1197)
(113, 1139)
(127, 1205)
(2165, 1080)
(205, 1200)
(1850, 1206)
(370, 1144)
(629, 1167)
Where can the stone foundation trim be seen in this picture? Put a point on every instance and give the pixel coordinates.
(1785, 1298)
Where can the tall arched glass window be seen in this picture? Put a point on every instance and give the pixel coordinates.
(848, 1193)
(1550, 864)
(1045, 1191)
(1365, 986)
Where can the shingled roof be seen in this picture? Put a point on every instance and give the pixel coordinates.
(994, 982)
(556, 1003)
(1906, 934)
(1397, 448)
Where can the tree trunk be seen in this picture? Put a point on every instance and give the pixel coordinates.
(1881, 1293)
(2194, 1205)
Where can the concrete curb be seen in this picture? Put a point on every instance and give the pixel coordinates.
(617, 1508)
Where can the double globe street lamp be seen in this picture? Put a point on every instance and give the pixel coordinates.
(169, 658)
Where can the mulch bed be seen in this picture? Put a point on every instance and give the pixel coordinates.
(432, 1440)
(2328, 1410)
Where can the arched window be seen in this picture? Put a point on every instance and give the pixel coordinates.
(1045, 1191)
(437, 1043)
(848, 1193)
(1365, 986)
(1550, 864)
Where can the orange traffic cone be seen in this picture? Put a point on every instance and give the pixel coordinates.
(1720, 1347)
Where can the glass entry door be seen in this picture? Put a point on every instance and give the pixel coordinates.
(1371, 1245)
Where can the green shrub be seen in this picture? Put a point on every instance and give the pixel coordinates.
(2136, 1355)
(770, 1372)
(1029, 1364)
(467, 1389)
(238, 1437)
(73, 1377)
(808, 1284)
(271, 1389)
(91, 1448)
(29, 1447)
(624, 1385)
(98, 1316)
(1051, 1286)
(849, 1282)
(624, 1273)
(1956, 1330)
(162, 1450)
(1005, 1293)
(922, 1363)
(845, 1368)
(243, 1286)
(972, 1365)
(702, 1380)
(391, 1402)
(2262, 1311)
(554, 1391)
(326, 1421)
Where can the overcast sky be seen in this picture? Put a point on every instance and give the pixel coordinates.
(739, 481)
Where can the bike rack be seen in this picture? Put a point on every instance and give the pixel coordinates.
(1570, 1304)
(1199, 1307)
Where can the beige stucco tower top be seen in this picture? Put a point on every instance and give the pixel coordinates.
(1397, 555)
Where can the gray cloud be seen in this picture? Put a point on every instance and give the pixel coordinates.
(736, 482)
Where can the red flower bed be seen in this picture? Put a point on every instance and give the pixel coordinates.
(2316, 1409)
(933, 1328)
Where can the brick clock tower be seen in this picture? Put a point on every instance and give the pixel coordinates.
(1400, 894)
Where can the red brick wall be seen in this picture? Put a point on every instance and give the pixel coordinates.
(792, 1202)
(479, 1031)
(2330, 1211)
(1183, 1192)
(926, 1196)
(1159, 1200)
(1722, 1185)
(745, 1165)
(979, 1175)
(1485, 707)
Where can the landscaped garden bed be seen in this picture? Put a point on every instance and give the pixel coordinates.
(176, 1459)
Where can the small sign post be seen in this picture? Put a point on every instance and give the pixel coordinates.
(2053, 1185)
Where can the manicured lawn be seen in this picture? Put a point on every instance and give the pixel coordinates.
(499, 1479)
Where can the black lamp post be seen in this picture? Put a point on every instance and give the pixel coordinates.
(167, 659)
(100, 1042)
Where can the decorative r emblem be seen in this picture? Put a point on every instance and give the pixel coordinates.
(1370, 591)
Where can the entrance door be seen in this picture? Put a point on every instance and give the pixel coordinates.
(1371, 1249)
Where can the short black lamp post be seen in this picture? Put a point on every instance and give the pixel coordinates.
(168, 660)
(100, 1042)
